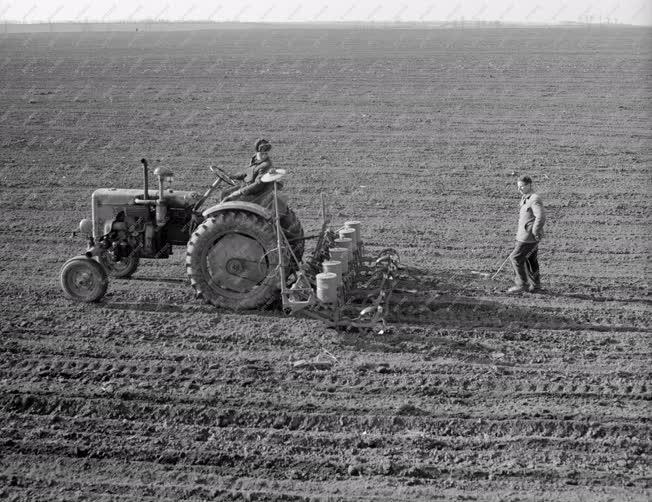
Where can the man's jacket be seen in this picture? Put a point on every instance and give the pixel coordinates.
(252, 177)
(531, 219)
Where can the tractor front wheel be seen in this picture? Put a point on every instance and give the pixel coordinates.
(122, 269)
(232, 261)
(83, 279)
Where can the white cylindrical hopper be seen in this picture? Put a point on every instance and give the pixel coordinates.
(334, 267)
(327, 287)
(349, 233)
(357, 225)
(341, 255)
(345, 243)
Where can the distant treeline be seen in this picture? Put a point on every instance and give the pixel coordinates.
(161, 25)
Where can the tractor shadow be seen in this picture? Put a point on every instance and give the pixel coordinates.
(453, 311)
(454, 300)
(158, 279)
(601, 299)
(442, 326)
(160, 308)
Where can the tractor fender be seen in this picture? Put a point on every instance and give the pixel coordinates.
(240, 206)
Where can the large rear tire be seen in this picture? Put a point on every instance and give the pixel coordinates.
(83, 279)
(232, 261)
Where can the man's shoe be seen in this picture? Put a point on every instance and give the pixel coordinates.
(534, 288)
(516, 289)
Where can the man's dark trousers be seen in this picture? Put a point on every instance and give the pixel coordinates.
(525, 263)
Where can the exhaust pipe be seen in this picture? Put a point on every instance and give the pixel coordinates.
(144, 162)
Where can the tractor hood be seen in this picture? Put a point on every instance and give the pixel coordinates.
(128, 196)
(116, 196)
(108, 202)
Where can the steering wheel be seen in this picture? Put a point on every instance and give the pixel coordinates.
(223, 175)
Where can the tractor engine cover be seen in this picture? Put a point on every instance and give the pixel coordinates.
(108, 203)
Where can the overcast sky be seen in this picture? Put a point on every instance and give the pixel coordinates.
(535, 11)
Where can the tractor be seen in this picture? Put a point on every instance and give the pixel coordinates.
(233, 250)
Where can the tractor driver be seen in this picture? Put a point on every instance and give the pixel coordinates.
(260, 165)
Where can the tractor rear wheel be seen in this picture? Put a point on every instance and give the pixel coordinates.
(232, 261)
(83, 279)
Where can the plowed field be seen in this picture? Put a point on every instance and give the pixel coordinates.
(152, 395)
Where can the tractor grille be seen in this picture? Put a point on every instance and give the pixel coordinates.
(177, 229)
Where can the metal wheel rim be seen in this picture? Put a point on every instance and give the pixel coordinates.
(116, 266)
(237, 263)
(82, 280)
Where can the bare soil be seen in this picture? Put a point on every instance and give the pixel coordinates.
(420, 134)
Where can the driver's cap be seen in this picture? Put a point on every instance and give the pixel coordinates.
(262, 145)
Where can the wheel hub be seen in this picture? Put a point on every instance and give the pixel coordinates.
(83, 280)
(237, 262)
(235, 266)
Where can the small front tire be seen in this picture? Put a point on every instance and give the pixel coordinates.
(83, 279)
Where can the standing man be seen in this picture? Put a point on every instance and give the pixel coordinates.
(531, 218)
